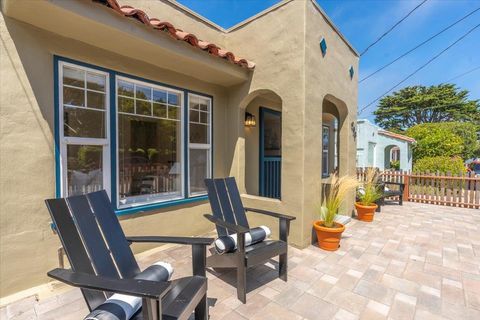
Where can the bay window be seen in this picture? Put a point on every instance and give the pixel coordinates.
(158, 149)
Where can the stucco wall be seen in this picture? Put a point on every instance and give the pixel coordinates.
(268, 41)
(327, 81)
(284, 44)
(27, 245)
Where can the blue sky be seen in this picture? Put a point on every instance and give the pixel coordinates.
(363, 21)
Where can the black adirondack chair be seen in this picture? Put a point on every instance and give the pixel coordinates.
(229, 216)
(103, 263)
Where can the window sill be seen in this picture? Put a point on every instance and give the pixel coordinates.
(155, 206)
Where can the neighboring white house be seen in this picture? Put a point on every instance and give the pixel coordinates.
(378, 148)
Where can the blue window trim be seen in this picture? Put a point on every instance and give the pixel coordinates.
(113, 137)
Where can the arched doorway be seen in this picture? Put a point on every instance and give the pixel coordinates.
(392, 157)
(263, 144)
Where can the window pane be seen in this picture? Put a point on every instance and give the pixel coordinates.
(173, 98)
(95, 100)
(143, 93)
(149, 154)
(84, 169)
(144, 108)
(74, 77)
(125, 105)
(204, 117)
(82, 122)
(125, 88)
(173, 113)
(159, 96)
(159, 110)
(194, 116)
(74, 96)
(198, 133)
(199, 159)
(96, 81)
(204, 107)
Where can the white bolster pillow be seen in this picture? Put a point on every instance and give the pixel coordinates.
(122, 306)
(225, 244)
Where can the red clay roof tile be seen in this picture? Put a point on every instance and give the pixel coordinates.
(211, 48)
(396, 135)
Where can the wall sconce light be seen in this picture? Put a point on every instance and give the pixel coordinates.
(250, 120)
(353, 126)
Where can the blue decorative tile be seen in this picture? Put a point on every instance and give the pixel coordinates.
(323, 46)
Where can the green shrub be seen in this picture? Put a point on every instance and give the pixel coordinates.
(444, 139)
(395, 165)
(442, 164)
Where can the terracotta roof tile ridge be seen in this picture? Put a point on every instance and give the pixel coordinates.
(178, 34)
(396, 135)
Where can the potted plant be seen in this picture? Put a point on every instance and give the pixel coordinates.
(367, 195)
(327, 229)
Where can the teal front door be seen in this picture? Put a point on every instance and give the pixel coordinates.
(270, 153)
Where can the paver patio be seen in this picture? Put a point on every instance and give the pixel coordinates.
(415, 261)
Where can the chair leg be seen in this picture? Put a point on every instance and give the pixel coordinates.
(400, 200)
(242, 283)
(283, 266)
(201, 311)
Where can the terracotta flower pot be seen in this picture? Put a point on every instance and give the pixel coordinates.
(365, 213)
(328, 238)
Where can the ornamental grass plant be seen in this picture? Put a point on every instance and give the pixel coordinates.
(370, 191)
(333, 198)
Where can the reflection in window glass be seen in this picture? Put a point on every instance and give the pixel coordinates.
(325, 146)
(199, 170)
(200, 143)
(149, 147)
(84, 169)
(83, 123)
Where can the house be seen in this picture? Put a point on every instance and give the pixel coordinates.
(147, 100)
(381, 148)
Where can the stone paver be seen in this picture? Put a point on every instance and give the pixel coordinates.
(415, 261)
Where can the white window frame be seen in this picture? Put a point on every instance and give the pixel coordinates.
(200, 146)
(65, 141)
(327, 151)
(182, 141)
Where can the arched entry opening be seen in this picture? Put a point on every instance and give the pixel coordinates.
(263, 144)
(334, 136)
(392, 157)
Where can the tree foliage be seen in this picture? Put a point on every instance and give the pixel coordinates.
(444, 139)
(442, 164)
(420, 104)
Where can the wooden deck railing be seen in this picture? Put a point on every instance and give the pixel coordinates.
(436, 188)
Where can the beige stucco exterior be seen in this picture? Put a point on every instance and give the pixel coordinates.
(290, 76)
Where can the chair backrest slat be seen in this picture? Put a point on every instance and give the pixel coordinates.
(236, 201)
(73, 246)
(215, 205)
(113, 233)
(92, 237)
(226, 203)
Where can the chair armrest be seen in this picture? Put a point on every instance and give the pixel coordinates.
(233, 227)
(133, 287)
(284, 221)
(272, 214)
(176, 240)
(199, 248)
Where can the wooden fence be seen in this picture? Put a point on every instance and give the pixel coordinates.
(435, 188)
